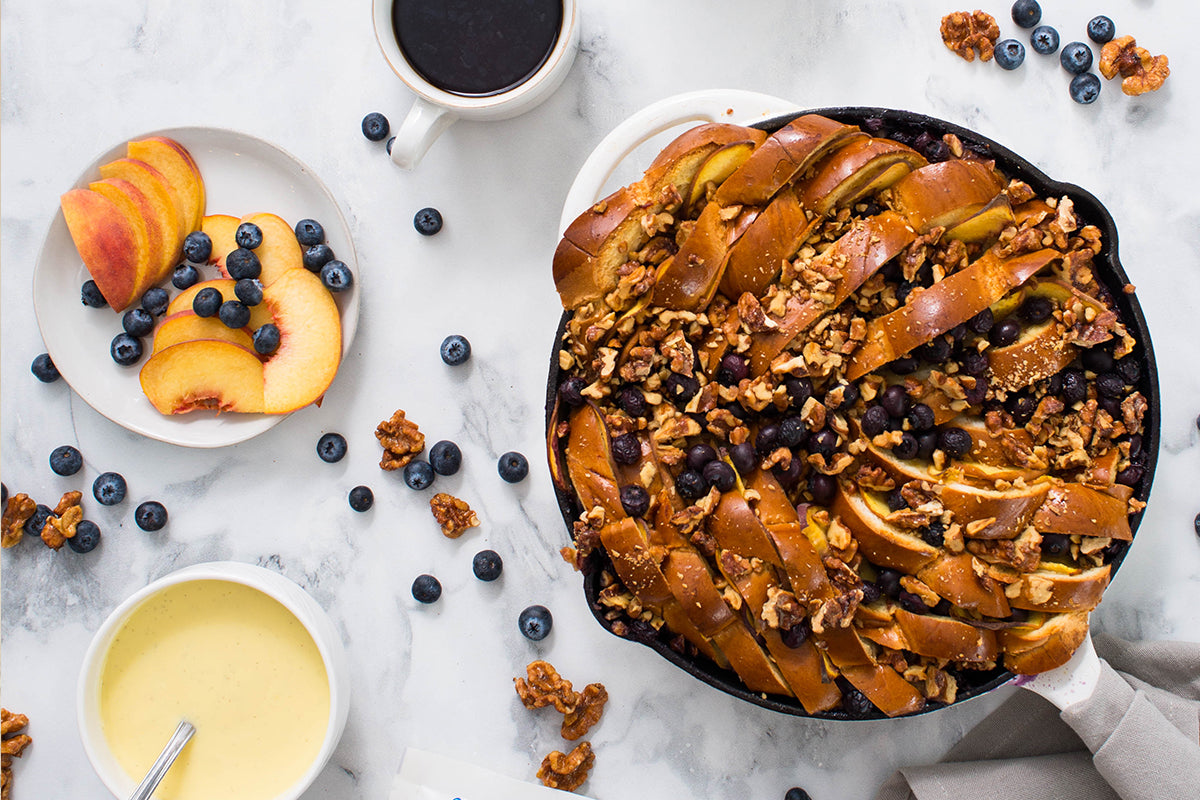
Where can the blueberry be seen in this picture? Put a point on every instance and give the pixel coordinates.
(535, 622)
(1101, 29)
(1196, 524)
(426, 589)
(109, 488)
(1130, 370)
(336, 276)
(1056, 544)
(309, 232)
(691, 485)
(1026, 13)
(745, 458)
(33, 526)
(150, 516)
(974, 363)
(3, 493)
(955, 442)
(982, 322)
(1110, 384)
(331, 447)
(91, 296)
(1085, 88)
(375, 126)
(243, 263)
(197, 247)
(798, 390)
(266, 339)
(156, 300)
(823, 488)
(487, 565)
(126, 350)
(850, 395)
(1097, 359)
(43, 369)
(445, 458)
(722, 476)
(895, 401)
(733, 369)
(796, 635)
(789, 478)
(1130, 476)
(1021, 407)
(635, 500)
(207, 302)
(234, 314)
(895, 500)
(699, 455)
(921, 417)
(936, 351)
(427, 221)
(927, 442)
(907, 447)
(626, 449)
(855, 702)
(1036, 309)
(513, 467)
(418, 474)
(823, 442)
(1076, 58)
(912, 603)
(680, 389)
(317, 256)
(65, 460)
(137, 322)
(185, 276)
(633, 402)
(87, 536)
(390, 143)
(792, 431)
(570, 391)
(874, 421)
(1044, 40)
(1005, 332)
(249, 291)
(1074, 387)
(455, 350)
(361, 498)
(1009, 54)
(796, 793)
(934, 533)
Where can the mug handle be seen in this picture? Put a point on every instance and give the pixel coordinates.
(709, 105)
(424, 123)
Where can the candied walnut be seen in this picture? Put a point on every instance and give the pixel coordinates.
(752, 316)
(543, 686)
(17, 511)
(922, 590)
(454, 515)
(965, 33)
(401, 441)
(589, 706)
(1038, 589)
(838, 611)
(873, 477)
(638, 364)
(782, 610)
(567, 771)
(1140, 72)
(1023, 553)
(61, 524)
(13, 746)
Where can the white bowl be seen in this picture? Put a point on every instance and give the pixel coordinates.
(291, 596)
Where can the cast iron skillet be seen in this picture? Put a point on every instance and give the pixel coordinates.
(906, 126)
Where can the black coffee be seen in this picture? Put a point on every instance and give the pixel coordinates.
(476, 47)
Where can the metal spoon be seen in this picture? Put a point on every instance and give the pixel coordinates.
(158, 770)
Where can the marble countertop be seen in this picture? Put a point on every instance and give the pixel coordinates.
(81, 75)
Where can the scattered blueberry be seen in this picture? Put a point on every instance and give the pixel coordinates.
(1196, 524)
(691, 485)
(317, 256)
(207, 302)
(792, 431)
(907, 447)
(633, 402)
(535, 622)
(1085, 88)
(1097, 359)
(3, 493)
(744, 458)
(266, 339)
(626, 449)
(156, 300)
(309, 232)
(418, 474)
(234, 314)
(1036, 309)
(921, 417)
(375, 126)
(912, 603)
(1076, 58)
(679, 389)
(428, 221)
(955, 442)
(767, 440)
(248, 235)
(87, 536)
(895, 401)
(43, 369)
(823, 488)
(390, 143)
(455, 350)
(513, 467)
(331, 447)
(65, 460)
(1056, 544)
(904, 365)
(635, 500)
(487, 565)
(33, 525)
(109, 488)
(243, 263)
(361, 498)
(150, 516)
(126, 350)
(982, 322)
(197, 247)
(824, 442)
(874, 421)
(445, 458)
(426, 589)
(973, 362)
(336, 276)
(796, 793)
(733, 369)
(1110, 384)
(1009, 54)
(1101, 29)
(1026, 13)
(1074, 387)
(855, 702)
(249, 291)
(721, 475)
(1044, 40)
(137, 322)
(798, 390)
(185, 276)
(91, 296)
(570, 391)
(1004, 332)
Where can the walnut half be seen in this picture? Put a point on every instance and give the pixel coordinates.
(454, 515)
(1140, 72)
(400, 439)
(966, 33)
(567, 771)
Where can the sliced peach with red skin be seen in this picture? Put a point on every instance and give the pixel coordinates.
(107, 241)
(154, 185)
(310, 345)
(259, 315)
(183, 176)
(204, 373)
(221, 229)
(186, 326)
(137, 206)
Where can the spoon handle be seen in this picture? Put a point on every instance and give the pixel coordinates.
(166, 758)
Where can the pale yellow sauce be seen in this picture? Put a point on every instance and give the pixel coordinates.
(235, 663)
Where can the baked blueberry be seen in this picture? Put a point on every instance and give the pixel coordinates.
(934, 533)
(1044, 40)
(390, 143)
(1085, 88)
(455, 350)
(418, 474)
(243, 263)
(197, 247)
(336, 276)
(1130, 370)
(907, 447)
(722, 476)
(126, 350)
(635, 500)
(699, 455)
(850, 395)
(109, 488)
(309, 232)
(1036, 309)
(889, 582)
(137, 322)
(982, 322)
(426, 589)
(1005, 332)
(895, 401)
(680, 389)
(796, 793)
(1076, 58)
(1110, 384)
(43, 369)
(935, 351)
(513, 467)
(745, 457)
(1196, 524)
(691, 485)
(535, 622)
(1101, 29)
(792, 431)
(823, 488)
(626, 449)
(33, 526)
(733, 369)
(266, 339)
(633, 402)
(1130, 476)
(248, 235)
(375, 126)
(955, 442)
(895, 499)
(249, 291)
(1026, 13)
(427, 221)
(185, 276)
(87, 536)
(912, 603)
(155, 301)
(361, 498)
(789, 478)
(796, 635)
(1056, 544)
(904, 365)
(317, 256)
(331, 447)
(1097, 359)
(150, 515)
(767, 440)
(1074, 387)
(920, 417)
(1021, 407)
(823, 442)
(445, 458)
(973, 362)
(927, 442)
(487, 565)
(90, 294)
(874, 421)
(234, 314)
(1009, 54)
(570, 391)
(798, 390)
(65, 460)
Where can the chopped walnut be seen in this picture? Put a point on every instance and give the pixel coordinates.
(966, 33)
(454, 515)
(921, 589)
(589, 705)
(401, 441)
(752, 316)
(782, 610)
(543, 686)
(17, 511)
(1140, 72)
(12, 746)
(567, 771)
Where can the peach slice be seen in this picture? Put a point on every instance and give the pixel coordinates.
(715, 169)
(259, 315)
(279, 250)
(221, 228)
(158, 240)
(987, 224)
(852, 171)
(183, 176)
(310, 346)
(689, 279)
(186, 326)
(1046, 641)
(153, 184)
(108, 242)
(945, 193)
(204, 373)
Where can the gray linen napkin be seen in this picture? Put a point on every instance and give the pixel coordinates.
(1114, 745)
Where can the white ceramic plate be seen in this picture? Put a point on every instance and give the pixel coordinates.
(242, 175)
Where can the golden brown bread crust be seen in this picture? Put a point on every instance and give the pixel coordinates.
(756, 258)
(944, 637)
(954, 578)
(1046, 590)
(850, 171)
(1073, 508)
(1030, 650)
(884, 544)
(589, 461)
(946, 193)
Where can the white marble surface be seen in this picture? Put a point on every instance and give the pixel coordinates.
(80, 75)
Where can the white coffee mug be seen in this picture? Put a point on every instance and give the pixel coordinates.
(436, 108)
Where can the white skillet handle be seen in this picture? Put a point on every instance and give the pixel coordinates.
(709, 105)
(1071, 683)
